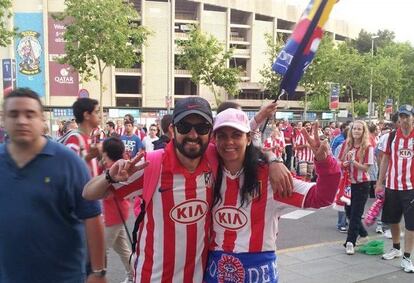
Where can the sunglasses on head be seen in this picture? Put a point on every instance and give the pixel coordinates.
(201, 128)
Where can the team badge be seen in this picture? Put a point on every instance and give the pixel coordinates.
(230, 269)
(29, 50)
(207, 179)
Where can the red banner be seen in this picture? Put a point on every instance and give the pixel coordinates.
(63, 81)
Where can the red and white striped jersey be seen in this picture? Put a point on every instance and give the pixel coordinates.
(81, 144)
(271, 142)
(173, 237)
(252, 227)
(357, 175)
(304, 154)
(401, 162)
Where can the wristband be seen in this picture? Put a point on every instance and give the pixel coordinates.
(109, 178)
(99, 273)
(276, 159)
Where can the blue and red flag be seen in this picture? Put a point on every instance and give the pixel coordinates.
(303, 43)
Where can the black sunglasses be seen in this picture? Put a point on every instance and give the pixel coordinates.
(201, 128)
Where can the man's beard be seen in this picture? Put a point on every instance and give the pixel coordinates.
(193, 153)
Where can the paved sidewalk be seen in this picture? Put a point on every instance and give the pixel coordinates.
(328, 263)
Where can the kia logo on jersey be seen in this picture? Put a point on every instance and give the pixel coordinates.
(406, 153)
(189, 212)
(230, 218)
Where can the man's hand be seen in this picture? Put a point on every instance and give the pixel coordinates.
(379, 188)
(265, 112)
(320, 149)
(280, 179)
(96, 279)
(121, 170)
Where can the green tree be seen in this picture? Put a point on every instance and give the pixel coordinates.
(6, 34)
(364, 41)
(206, 59)
(318, 75)
(100, 34)
(269, 79)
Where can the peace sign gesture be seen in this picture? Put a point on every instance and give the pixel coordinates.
(121, 170)
(321, 150)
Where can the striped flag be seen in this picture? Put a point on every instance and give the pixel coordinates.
(303, 43)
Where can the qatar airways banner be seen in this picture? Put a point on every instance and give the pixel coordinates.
(63, 80)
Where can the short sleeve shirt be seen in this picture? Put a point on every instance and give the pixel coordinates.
(42, 236)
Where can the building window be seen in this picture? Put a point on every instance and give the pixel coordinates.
(184, 86)
(128, 84)
(128, 102)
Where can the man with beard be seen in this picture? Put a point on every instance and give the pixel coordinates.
(175, 228)
(174, 234)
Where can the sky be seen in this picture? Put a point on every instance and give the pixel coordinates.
(372, 15)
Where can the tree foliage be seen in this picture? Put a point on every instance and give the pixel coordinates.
(206, 59)
(100, 34)
(350, 64)
(269, 79)
(6, 34)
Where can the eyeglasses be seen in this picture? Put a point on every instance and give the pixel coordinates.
(201, 128)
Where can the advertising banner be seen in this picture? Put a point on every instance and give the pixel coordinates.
(63, 80)
(334, 102)
(9, 75)
(30, 51)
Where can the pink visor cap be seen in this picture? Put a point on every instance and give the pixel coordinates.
(233, 118)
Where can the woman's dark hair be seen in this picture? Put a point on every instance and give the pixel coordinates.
(253, 159)
(226, 105)
(114, 148)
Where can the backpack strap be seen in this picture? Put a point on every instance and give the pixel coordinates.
(390, 140)
(211, 153)
(151, 176)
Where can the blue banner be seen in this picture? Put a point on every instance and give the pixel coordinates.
(302, 44)
(30, 51)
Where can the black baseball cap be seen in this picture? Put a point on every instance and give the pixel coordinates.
(192, 105)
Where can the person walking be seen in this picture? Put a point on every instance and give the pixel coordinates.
(45, 222)
(397, 169)
(357, 156)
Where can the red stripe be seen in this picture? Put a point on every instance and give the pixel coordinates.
(208, 225)
(126, 190)
(190, 253)
(404, 167)
(412, 165)
(394, 154)
(169, 253)
(149, 246)
(230, 199)
(258, 213)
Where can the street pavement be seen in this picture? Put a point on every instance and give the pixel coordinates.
(310, 249)
(327, 262)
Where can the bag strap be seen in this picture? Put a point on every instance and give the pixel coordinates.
(391, 139)
(151, 176)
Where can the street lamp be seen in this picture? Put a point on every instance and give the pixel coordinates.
(372, 74)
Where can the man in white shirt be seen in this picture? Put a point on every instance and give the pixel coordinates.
(152, 136)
